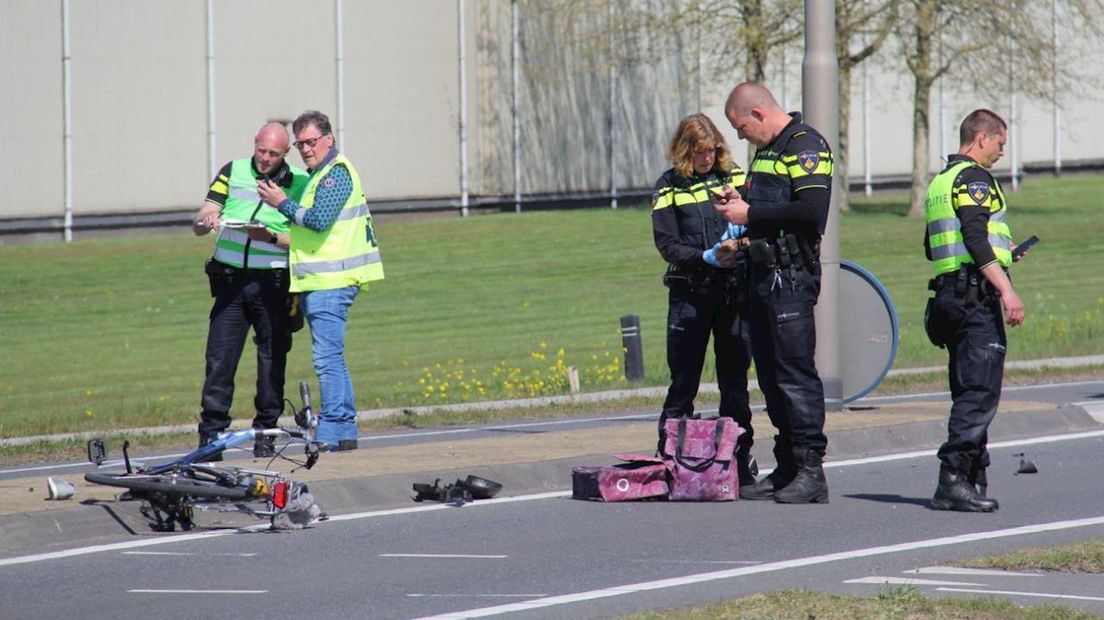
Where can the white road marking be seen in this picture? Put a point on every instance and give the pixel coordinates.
(131, 544)
(645, 586)
(981, 572)
(442, 555)
(483, 502)
(1035, 594)
(907, 581)
(662, 561)
(425, 595)
(1094, 408)
(993, 445)
(234, 555)
(146, 591)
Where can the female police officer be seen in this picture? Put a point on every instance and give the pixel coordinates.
(706, 281)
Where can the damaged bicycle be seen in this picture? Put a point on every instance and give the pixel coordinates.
(171, 492)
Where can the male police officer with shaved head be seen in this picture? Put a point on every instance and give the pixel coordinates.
(249, 281)
(789, 187)
(969, 244)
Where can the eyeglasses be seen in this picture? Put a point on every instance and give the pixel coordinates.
(309, 143)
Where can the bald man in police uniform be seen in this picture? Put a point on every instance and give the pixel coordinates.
(785, 206)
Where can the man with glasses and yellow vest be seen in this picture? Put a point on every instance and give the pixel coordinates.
(333, 256)
(249, 280)
(969, 244)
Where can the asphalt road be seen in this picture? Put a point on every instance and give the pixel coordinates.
(548, 556)
(1060, 393)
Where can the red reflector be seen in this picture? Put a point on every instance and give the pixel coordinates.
(280, 494)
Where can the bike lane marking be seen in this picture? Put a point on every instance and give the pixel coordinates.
(1075, 597)
(153, 591)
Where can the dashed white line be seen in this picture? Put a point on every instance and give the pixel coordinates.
(167, 591)
(443, 555)
(427, 595)
(184, 553)
(1074, 597)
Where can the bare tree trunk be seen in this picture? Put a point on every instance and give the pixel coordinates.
(921, 126)
(840, 152)
(927, 15)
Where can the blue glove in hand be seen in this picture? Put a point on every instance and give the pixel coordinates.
(710, 255)
(734, 231)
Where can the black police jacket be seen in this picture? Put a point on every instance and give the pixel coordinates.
(790, 185)
(684, 222)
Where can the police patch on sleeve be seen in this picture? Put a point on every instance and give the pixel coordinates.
(808, 160)
(979, 191)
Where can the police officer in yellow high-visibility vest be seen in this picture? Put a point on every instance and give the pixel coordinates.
(333, 256)
(968, 242)
(249, 281)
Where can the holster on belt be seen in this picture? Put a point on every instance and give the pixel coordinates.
(698, 282)
(219, 276)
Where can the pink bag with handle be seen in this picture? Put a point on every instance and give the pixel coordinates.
(638, 477)
(700, 457)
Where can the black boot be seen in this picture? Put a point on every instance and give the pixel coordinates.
(956, 493)
(809, 485)
(784, 471)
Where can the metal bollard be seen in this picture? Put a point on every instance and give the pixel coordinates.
(634, 351)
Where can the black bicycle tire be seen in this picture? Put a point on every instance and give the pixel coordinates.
(159, 484)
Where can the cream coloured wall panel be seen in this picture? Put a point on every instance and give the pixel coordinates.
(402, 101)
(139, 105)
(31, 160)
(274, 60)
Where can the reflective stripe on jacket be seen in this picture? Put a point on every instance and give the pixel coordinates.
(944, 228)
(346, 253)
(233, 246)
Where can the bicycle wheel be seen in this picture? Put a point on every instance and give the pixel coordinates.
(170, 485)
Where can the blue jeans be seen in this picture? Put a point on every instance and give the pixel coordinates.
(326, 313)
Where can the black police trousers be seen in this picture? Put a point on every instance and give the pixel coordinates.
(973, 330)
(244, 299)
(783, 343)
(692, 315)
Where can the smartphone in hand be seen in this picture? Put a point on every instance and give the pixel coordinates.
(1024, 247)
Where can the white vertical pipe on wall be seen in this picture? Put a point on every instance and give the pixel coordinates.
(339, 62)
(868, 187)
(612, 107)
(212, 163)
(515, 58)
(1054, 88)
(67, 114)
(461, 35)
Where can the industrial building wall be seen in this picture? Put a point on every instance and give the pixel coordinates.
(140, 104)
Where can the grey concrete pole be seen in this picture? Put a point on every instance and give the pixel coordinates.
(67, 114)
(820, 99)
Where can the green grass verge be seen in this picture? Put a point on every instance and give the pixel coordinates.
(903, 603)
(1080, 557)
(109, 332)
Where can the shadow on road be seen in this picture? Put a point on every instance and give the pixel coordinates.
(886, 498)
